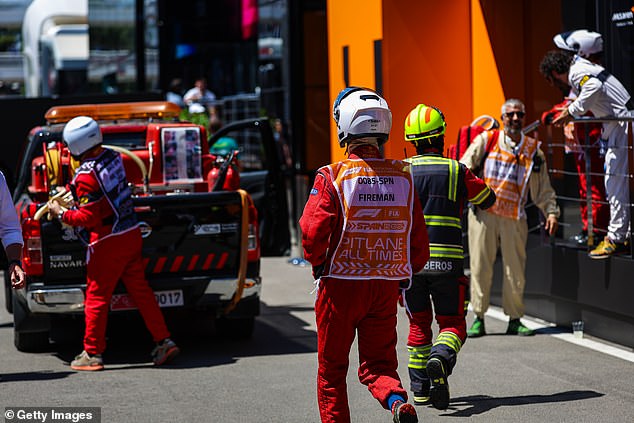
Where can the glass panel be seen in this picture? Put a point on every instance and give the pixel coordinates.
(151, 45)
(125, 139)
(112, 67)
(249, 143)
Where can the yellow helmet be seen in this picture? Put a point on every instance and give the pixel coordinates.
(424, 122)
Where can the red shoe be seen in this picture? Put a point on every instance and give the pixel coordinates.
(404, 412)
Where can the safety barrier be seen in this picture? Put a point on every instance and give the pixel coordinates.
(587, 148)
(563, 284)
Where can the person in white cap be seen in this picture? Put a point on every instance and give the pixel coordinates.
(587, 44)
(602, 94)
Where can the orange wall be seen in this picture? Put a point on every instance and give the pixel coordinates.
(426, 59)
(463, 56)
(488, 93)
(356, 24)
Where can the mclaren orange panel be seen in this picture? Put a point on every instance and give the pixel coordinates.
(353, 25)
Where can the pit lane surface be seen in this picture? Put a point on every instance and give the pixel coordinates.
(271, 378)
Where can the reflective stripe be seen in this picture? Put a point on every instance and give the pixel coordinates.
(449, 339)
(441, 177)
(446, 251)
(481, 196)
(508, 174)
(453, 167)
(434, 220)
(418, 356)
(453, 179)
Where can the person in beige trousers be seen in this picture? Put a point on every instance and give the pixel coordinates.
(512, 165)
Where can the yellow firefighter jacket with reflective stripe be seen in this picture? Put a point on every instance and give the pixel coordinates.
(443, 189)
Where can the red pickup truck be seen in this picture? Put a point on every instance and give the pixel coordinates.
(201, 242)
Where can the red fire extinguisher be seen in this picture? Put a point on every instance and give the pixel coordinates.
(224, 176)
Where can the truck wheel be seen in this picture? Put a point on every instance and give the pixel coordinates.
(30, 341)
(33, 340)
(240, 328)
(8, 292)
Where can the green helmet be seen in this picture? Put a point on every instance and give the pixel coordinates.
(224, 146)
(424, 123)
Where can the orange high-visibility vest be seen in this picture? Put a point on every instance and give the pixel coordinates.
(376, 196)
(507, 174)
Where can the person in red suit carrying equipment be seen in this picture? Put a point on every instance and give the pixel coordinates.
(105, 210)
(589, 45)
(364, 232)
(444, 186)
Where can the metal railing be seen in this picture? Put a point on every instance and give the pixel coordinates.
(587, 146)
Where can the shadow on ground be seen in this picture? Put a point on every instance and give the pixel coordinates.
(480, 404)
(277, 331)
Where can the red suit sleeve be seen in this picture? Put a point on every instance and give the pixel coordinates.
(478, 192)
(419, 240)
(93, 205)
(319, 220)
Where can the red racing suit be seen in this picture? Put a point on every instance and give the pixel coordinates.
(341, 239)
(600, 208)
(106, 220)
(443, 186)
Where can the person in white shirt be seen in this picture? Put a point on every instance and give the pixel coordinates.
(200, 94)
(602, 94)
(11, 234)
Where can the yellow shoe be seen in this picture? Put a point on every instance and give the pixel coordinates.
(607, 248)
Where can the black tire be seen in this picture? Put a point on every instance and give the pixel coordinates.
(30, 341)
(239, 328)
(28, 333)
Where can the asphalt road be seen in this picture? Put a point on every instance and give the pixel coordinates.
(271, 378)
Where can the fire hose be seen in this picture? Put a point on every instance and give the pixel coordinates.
(66, 198)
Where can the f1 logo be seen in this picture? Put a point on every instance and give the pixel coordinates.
(367, 213)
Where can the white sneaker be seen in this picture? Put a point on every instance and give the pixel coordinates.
(164, 351)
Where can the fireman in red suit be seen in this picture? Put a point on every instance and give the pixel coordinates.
(444, 186)
(364, 232)
(575, 138)
(106, 221)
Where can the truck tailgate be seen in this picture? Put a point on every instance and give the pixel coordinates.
(195, 233)
(190, 234)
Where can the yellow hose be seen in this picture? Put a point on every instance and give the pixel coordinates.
(131, 155)
(65, 197)
(244, 240)
(44, 209)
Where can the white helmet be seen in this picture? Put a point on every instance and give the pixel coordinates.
(359, 113)
(81, 134)
(583, 42)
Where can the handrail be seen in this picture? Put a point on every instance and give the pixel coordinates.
(587, 146)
